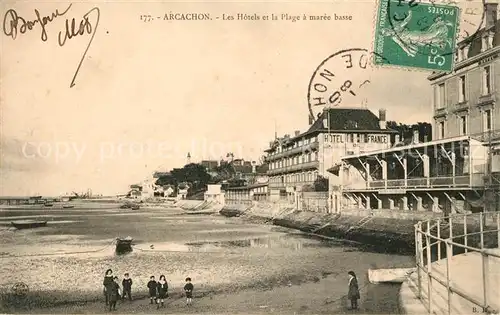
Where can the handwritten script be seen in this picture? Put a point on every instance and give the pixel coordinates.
(13, 24)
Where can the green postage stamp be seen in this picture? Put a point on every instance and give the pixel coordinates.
(416, 34)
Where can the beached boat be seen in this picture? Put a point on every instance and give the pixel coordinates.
(68, 206)
(123, 245)
(28, 224)
(135, 207)
(48, 204)
(395, 275)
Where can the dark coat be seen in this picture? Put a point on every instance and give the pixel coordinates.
(127, 284)
(107, 282)
(162, 290)
(113, 292)
(152, 288)
(188, 288)
(353, 293)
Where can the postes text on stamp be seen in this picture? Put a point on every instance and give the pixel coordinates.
(416, 35)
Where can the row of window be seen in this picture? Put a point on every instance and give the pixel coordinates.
(440, 97)
(486, 43)
(294, 178)
(464, 124)
(297, 144)
(299, 159)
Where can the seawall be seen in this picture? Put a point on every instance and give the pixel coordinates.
(386, 230)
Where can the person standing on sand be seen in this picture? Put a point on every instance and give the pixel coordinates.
(152, 286)
(108, 280)
(162, 291)
(127, 287)
(113, 294)
(188, 288)
(353, 293)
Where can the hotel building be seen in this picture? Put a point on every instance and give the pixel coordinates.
(459, 170)
(298, 160)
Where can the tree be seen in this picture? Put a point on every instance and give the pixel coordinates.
(321, 184)
(195, 175)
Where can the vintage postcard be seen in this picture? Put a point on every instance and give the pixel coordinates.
(250, 157)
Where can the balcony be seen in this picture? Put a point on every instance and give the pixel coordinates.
(440, 112)
(461, 106)
(458, 182)
(486, 99)
(305, 148)
(294, 168)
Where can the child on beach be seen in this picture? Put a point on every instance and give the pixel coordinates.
(162, 291)
(188, 288)
(353, 293)
(108, 280)
(113, 294)
(152, 286)
(127, 287)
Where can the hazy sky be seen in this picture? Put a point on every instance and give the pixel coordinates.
(149, 92)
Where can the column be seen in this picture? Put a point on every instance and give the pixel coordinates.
(367, 169)
(419, 204)
(368, 203)
(405, 168)
(435, 204)
(384, 172)
(391, 204)
(360, 202)
(404, 201)
(427, 170)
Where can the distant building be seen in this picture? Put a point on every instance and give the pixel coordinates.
(299, 159)
(210, 165)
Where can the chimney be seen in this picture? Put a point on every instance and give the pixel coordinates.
(490, 12)
(254, 169)
(297, 132)
(416, 136)
(382, 120)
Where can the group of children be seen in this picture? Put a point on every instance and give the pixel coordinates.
(158, 291)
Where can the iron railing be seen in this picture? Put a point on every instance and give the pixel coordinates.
(431, 235)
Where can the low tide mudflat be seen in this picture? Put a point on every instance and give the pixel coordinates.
(236, 267)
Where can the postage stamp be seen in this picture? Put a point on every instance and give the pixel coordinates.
(416, 35)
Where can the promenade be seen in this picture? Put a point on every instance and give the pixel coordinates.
(463, 283)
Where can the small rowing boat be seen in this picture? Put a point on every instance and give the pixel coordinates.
(68, 206)
(395, 275)
(123, 245)
(28, 224)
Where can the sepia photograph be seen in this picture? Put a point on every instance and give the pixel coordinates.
(250, 157)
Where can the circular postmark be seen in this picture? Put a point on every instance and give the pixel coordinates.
(430, 28)
(339, 80)
(20, 289)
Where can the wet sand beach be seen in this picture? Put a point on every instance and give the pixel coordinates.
(236, 267)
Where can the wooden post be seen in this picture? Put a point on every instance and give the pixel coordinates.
(429, 268)
(449, 254)
(450, 219)
(486, 280)
(439, 236)
(465, 232)
(481, 229)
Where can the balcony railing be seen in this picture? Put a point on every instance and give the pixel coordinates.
(465, 181)
(304, 148)
(293, 168)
